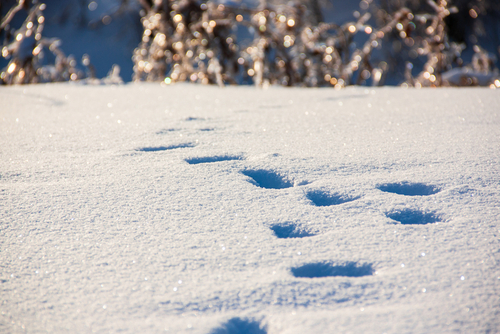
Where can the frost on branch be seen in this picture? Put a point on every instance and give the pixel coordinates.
(25, 47)
(33, 58)
(413, 43)
(192, 40)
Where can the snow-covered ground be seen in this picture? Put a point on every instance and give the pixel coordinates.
(191, 209)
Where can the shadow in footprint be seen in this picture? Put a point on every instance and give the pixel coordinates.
(326, 269)
(164, 148)
(290, 230)
(203, 160)
(413, 217)
(165, 131)
(409, 189)
(240, 326)
(9, 175)
(323, 198)
(268, 179)
(190, 119)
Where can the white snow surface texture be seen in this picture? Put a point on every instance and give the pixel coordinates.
(191, 209)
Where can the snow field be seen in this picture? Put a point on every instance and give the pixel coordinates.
(192, 209)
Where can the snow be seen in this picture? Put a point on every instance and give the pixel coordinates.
(195, 209)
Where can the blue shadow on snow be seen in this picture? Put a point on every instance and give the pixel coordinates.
(409, 189)
(289, 230)
(268, 179)
(239, 326)
(413, 217)
(326, 269)
(165, 131)
(164, 148)
(322, 198)
(190, 119)
(202, 160)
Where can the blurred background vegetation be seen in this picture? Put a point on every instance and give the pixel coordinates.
(312, 43)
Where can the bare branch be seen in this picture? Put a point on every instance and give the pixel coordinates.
(12, 12)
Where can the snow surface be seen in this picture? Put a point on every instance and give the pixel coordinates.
(190, 209)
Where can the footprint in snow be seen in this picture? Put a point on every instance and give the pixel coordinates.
(164, 148)
(323, 198)
(268, 179)
(240, 326)
(326, 269)
(409, 189)
(218, 158)
(165, 131)
(190, 119)
(9, 175)
(290, 230)
(413, 217)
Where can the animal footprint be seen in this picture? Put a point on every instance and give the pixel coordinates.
(165, 131)
(290, 230)
(323, 198)
(409, 189)
(9, 175)
(240, 326)
(326, 269)
(190, 119)
(164, 148)
(413, 217)
(268, 179)
(202, 160)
